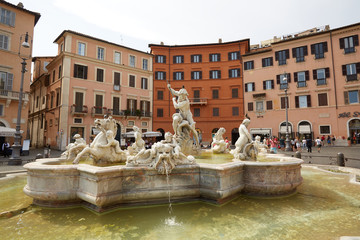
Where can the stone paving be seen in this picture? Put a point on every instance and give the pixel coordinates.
(326, 156)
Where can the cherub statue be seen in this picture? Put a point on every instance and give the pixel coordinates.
(74, 148)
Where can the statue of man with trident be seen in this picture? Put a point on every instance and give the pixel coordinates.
(184, 117)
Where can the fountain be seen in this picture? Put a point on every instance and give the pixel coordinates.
(139, 176)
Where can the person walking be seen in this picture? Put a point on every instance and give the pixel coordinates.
(5, 149)
(304, 144)
(309, 144)
(318, 143)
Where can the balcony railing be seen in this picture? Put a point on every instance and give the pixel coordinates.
(13, 95)
(321, 81)
(145, 114)
(284, 86)
(116, 112)
(352, 77)
(301, 84)
(200, 101)
(79, 109)
(99, 110)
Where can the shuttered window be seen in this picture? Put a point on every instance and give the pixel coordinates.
(250, 106)
(131, 81)
(319, 49)
(281, 56)
(80, 71)
(349, 43)
(269, 105)
(266, 62)
(322, 98)
(299, 53)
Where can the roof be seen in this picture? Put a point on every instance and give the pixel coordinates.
(202, 44)
(37, 15)
(96, 39)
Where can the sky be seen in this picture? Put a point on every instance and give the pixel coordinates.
(137, 23)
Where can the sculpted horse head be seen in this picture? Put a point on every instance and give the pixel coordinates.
(103, 125)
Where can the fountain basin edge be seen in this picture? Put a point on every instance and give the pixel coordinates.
(104, 188)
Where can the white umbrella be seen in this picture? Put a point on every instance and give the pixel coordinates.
(128, 134)
(152, 134)
(8, 132)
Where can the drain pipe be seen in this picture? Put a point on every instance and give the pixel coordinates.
(333, 67)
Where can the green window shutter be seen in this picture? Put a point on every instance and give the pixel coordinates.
(346, 97)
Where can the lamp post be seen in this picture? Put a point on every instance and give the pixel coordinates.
(15, 156)
(288, 148)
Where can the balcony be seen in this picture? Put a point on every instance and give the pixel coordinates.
(352, 77)
(79, 109)
(301, 84)
(145, 114)
(13, 95)
(198, 101)
(99, 111)
(116, 112)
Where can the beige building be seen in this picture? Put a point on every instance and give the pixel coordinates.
(322, 69)
(90, 78)
(15, 22)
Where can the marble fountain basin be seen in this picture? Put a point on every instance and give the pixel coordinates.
(52, 183)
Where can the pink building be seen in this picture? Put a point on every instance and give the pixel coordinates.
(322, 69)
(90, 78)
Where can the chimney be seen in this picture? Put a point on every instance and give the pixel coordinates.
(20, 5)
(220, 40)
(161, 43)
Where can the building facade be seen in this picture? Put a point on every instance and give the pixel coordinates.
(15, 22)
(212, 74)
(320, 70)
(91, 78)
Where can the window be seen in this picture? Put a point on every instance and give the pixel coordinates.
(178, 75)
(79, 99)
(37, 101)
(234, 56)
(260, 106)
(160, 75)
(234, 92)
(196, 58)
(214, 57)
(234, 73)
(100, 53)
(325, 130)
(159, 112)
(249, 87)
(131, 81)
(4, 42)
(7, 17)
(100, 75)
(299, 53)
(117, 77)
(196, 112)
(160, 95)
(215, 93)
(351, 71)
(216, 112)
(268, 84)
(53, 76)
(78, 120)
(6, 81)
(80, 71)
(349, 43)
(235, 111)
(117, 57)
(196, 75)
(248, 65)
(132, 61)
(81, 48)
(59, 73)
(320, 75)
(145, 64)
(196, 95)
(52, 100)
(116, 106)
(319, 49)
(284, 102)
(250, 106)
(283, 80)
(1, 110)
(98, 104)
(267, 62)
(269, 105)
(131, 105)
(160, 59)
(352, 96)
(301, 78)
(281, 56)
(302, 101)
(215, 74)
(145, 108)
(322, 99)
(57, 98)
(178, 59)
(144, 83)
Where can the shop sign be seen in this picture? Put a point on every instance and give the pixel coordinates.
(348, 114)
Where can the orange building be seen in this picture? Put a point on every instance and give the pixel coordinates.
(90, 78)
(15, 22)
(322, 68)
(212, 75)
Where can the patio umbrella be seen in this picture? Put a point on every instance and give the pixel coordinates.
(128, 134)
(8, 132)
(152, 134)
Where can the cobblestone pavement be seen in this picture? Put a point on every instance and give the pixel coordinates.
(326, 156)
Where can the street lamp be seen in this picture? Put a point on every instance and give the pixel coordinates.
(288, 148)
(15, 156)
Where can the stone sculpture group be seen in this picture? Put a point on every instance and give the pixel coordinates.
(164, 156)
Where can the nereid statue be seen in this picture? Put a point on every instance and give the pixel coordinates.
(219, 145)
(244, 146)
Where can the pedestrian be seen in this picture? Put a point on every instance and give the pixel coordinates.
(318, 143)
(292, 144)
(5, 149)
(273, 144)
(333, 140)
(298, 145)
(304, 143)
(309, 144)
(329, 140)
(282, 143)
(323, 139)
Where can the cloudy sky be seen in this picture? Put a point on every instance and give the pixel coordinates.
(136, 23)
